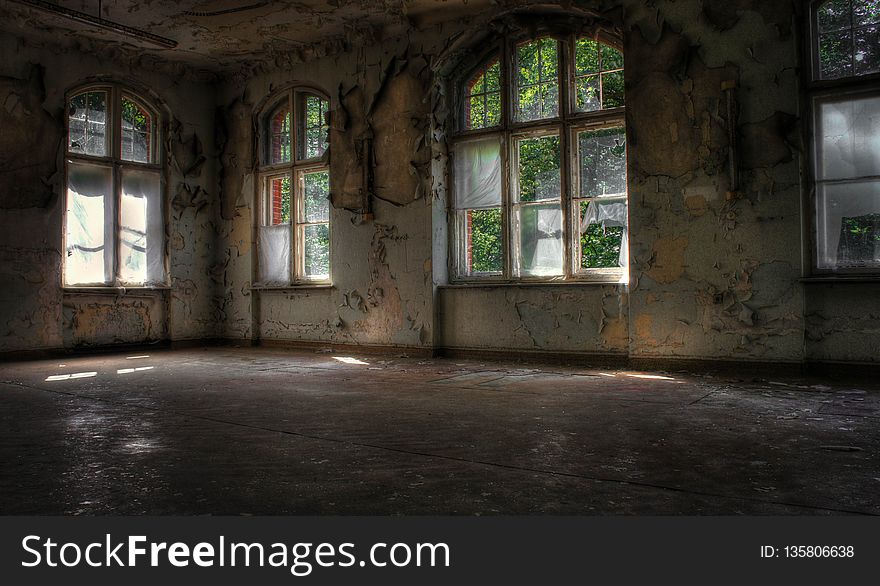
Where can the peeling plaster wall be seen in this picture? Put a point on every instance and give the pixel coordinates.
(843, 322)
(34, 311)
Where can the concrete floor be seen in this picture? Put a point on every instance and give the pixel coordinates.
(268, 431)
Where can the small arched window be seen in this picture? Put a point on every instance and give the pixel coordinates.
(845, 96)
(114, 217)
(539, 186)
(294, 206)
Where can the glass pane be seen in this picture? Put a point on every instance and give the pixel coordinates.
(611, 58)
(316, 195)
(602, 230)
(601, 162)
(137, 132)
(849, 225)
(279, 135)
(835, 55)
(314, 136)
(274, 245)
(141, 229)
(476, 112)
(849, 133)
(866, 12)
(477, 169)
(89, 204)
(483, 98)
(612, 90)
(317, 251)
(278, 200)
(540, 240)
(867, 45)
(87, 118)
(587, 56)
(483, 245)
(537, 83)
(834, 15)
(588, 97)
(539, 172)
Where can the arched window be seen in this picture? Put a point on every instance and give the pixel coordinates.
(114, 215)
(539, 186)
(845, 95)
(294, 206)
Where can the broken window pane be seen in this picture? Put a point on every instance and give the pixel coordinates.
(483, 244)
(601, 160)
(317, 251)
(477, 169)
(598, 76)
(482, 98)
(278, 200)
(313, 132)
(602, 242)
(274, 245)
(141, 229)
(279, 135)
(540, 240)
(87, 117)
(849, 138)
(849, 225)
(539, 168)
(137, 132)
(89, 237)
(589, 97)
(316, 194)
(537, 79)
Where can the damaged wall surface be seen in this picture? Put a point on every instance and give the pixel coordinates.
(716, 261)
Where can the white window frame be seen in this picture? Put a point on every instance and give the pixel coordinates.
(565, 124)
(113, 161)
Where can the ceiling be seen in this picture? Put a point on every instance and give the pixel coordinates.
(218, 34)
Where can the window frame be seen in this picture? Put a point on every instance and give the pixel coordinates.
(820, 90)
(113, 160)
(294, 168)
(564, 124)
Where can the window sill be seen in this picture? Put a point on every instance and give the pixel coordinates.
(847, 279)
(296, 287)
(116, 291)
(528, 284)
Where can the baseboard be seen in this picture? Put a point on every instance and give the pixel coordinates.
(414, 351)
(607, 360)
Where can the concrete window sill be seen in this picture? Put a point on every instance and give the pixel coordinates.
(298, 287)
(520, 284)
(115, 291)
(841, 280)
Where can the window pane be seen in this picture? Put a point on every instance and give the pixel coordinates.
(834, 15)
(586, 56)
(137, 132)
(849, 138)
(477, 169)
(316, 195)
(274, 244)
(611, 58)
(313, 132)
(87, 118)
(588, 96)
(482, 98)
(866, 12)
(317, 251)
(835, 54)
(142, 231)
(867, 46)
(540, 240)
(612, 90)
(601, 162)
(483, 244)
(602, 232)
(89, 225)
(539, 171)
(537, 82)
(278, 200)
(279, 135)
(849, 225)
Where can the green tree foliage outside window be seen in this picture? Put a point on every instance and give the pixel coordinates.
(537, 80)
(849, 38)
(483, 98)
(485, 240)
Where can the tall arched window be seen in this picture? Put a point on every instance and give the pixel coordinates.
(294, 206)
(115, 211)
(539, 162)
(845, 95)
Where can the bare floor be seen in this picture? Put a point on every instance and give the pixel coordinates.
(262, 431)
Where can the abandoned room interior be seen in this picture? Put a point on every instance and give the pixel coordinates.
(440, 257)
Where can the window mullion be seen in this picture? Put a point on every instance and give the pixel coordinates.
(115, 140)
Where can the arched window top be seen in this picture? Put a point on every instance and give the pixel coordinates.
(846, 42)
(598, 70)
(483, 96)
(294, 127)
(95, 130)
(279, 134)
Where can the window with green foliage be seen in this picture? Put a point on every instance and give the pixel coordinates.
(294, 235)
(846, 135)
(114, 215)
(539, 182)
